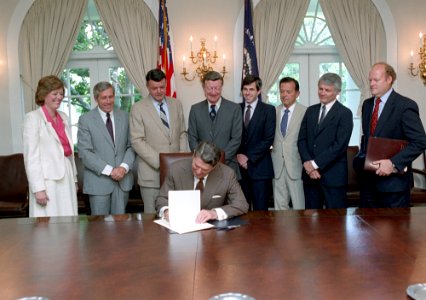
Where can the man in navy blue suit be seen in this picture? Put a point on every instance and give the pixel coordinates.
(323, 139)
(254, 156)
(397, 117)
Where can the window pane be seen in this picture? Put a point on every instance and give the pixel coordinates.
(290, 70)
(125, 92)
(77, 96)
(314, 29)
(92, 33)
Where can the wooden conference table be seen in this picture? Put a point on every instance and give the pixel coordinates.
(330, 254)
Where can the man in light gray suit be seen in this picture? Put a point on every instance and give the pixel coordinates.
(157, 125)
(216, 120)
(105, 150)
(288, 184)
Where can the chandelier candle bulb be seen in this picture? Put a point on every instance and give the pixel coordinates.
(201, 61)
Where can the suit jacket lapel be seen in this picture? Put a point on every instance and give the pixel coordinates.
(172, 116)
(152, 111)
(386, 113)
(296, 115)
(254, 119)
(98, 122)
(329, 116)
(68, 132)
(368, 111)
(211, 125)
(118, 125)
(210, 186)
(49, 126)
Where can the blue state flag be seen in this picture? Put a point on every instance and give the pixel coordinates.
(249, 49)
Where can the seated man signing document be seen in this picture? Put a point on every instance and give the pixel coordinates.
(221, 194)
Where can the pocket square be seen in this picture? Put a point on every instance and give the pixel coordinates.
(216, 196)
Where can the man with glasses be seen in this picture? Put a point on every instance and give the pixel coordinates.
(216, 120)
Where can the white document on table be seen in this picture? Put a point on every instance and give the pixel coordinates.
(184, 207)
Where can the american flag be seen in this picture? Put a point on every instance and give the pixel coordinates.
(166, 58)
(249, 49)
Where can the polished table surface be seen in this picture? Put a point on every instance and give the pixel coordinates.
(310, 254)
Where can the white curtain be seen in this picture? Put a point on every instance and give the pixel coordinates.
(46, 39)
(276, 26)
(133, 32)
(358, 32)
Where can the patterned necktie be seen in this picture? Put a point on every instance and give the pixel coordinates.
(163, 115)
(375, 117)
(109, 126)
(284, 121)
(247, 116)
(212, 112)
(322, 115)
(200, 185)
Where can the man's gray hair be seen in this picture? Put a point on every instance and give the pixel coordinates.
(102, 86)
(331, 79)
(208, 152)
(212, 76)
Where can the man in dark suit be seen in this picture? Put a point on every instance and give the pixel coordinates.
(216, 120)
(105, 150)
(390, 115)
(323, 138)
(221, 195)
(254, 154)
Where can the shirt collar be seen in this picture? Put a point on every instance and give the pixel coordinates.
(253, 104)
(385, 97)
(329, 105)
(156, 103)
(103, 114)
(217, 104)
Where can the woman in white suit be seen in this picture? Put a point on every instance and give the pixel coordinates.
(49, 154)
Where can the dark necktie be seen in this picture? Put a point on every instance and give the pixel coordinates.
(284, 121)
(375, 117)
(200, 185)
(212, 112)
(163, 116)
(109, 126)
(247, 116)
(322, 115)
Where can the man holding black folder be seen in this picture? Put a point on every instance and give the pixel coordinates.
(391, 116)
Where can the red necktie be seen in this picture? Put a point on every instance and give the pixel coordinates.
(375, 117)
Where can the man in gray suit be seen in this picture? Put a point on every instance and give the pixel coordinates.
(216, 120)
(221, 194)
(157, 125)
(288, 184)
(105, 150)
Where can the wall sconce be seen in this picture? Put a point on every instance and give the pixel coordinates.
(203, 60)
(421, 70)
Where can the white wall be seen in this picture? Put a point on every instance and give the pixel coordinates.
(199, 18)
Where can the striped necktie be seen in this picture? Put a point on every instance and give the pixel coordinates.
(163, 116)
